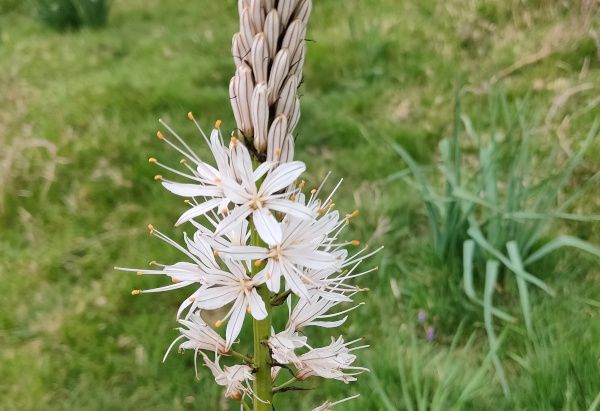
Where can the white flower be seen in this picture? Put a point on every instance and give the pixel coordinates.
(224, 287)
(331, 361)
(235, 378)
(328, 405)
(206, 179)
(182, 274)
(313, 311)
(199, 336)
(298, 248)
(217, 287)
(283, 346)
(262, 201)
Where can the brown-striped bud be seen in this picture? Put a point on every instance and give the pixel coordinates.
(294, 36)
(287, 150)
(276, 137)
(271, 30)
(279, 71)
(260, 58)
(287, 97)
(260, 116)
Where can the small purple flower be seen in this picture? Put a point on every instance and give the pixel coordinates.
(430, 333)
(422, 316)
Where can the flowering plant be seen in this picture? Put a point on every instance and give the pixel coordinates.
(260, 242)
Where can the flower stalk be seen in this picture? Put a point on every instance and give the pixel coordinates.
(261, 332)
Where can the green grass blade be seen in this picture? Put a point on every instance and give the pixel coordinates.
(380, 390)
(491, 274)
(563, 241)
(433, 214)
(468, 254)
(594, 405)
(515, 257)
(531, 215)
(481, 241)
(406, 398)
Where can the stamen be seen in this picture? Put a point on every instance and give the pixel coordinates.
(152, 160)
(160, 135)
(218, 323)
(191, 116)
(190, 153)
(136, 292)
(151, 228)
(218, 124)
(355, 242)
(158, 177)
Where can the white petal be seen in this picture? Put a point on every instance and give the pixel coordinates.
(198, 210)
(328, 324)
(263, 169)
(274, 276)
(232, 220)
(314, 259)
(219, 152)
(216, 297)
(293, 280)
(233, 191)
(242, 164)
(234, 326)
(282, 176)
(290, 207)
(201, 249)
(267, 226)
(191, 190)
(257, 305)
(245, 252)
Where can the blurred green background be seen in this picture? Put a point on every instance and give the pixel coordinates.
(78, 111)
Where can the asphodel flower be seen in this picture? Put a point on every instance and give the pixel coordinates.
(333, 361)
(297, 249)
(234, 378)
(259, 239)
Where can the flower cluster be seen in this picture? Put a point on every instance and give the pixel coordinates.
(260, 242)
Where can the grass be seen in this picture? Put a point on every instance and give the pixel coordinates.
(77, 117)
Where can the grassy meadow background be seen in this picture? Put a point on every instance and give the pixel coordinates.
(78, 112)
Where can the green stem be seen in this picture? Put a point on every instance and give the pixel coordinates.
(285, 384)
(241, 356)
(262, 357)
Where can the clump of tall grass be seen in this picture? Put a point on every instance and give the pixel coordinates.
(72, 14)
(499, 208)
(431, 377)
